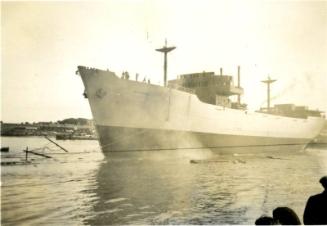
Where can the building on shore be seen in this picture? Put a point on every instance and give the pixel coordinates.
(46, 128)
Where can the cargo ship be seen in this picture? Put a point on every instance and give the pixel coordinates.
(193, 111)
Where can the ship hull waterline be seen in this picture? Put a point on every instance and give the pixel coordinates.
(122, 139)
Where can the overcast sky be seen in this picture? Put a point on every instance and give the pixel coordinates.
(44, 42)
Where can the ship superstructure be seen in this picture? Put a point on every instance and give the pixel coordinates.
(210, 88)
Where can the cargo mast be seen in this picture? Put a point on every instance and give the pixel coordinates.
(268, 82)
(165, 50)
(239, 84)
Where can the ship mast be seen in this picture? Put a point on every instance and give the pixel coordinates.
(239, 84)
(268, 82)
(165, 50)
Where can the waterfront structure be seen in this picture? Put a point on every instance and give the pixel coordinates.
(48, 128)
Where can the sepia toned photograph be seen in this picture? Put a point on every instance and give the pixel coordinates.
(162, 112)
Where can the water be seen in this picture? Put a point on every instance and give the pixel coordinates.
(86, 188)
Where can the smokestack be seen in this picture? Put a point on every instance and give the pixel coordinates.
(221, 71)
(239, 83)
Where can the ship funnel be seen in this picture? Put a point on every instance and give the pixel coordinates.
(165, 50)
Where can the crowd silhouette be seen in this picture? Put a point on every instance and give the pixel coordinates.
(315, 212)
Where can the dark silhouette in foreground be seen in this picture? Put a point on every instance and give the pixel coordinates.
(286, 216)
(316, 209)
(265, 220)
(281, 216)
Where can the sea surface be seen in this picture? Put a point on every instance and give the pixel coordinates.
(83, 187)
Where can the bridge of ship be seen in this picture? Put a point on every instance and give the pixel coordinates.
(210, 88)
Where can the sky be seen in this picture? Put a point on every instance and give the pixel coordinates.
(42, 43)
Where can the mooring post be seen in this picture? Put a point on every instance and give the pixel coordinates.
(26, 155)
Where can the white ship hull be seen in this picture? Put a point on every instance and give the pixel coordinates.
(131, 116)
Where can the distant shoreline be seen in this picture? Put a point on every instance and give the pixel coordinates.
(71, 127)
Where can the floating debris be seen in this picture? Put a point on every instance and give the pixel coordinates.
(272, 157)
(4, 149)
(194, 161)
(239, 161)
(16, 163)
